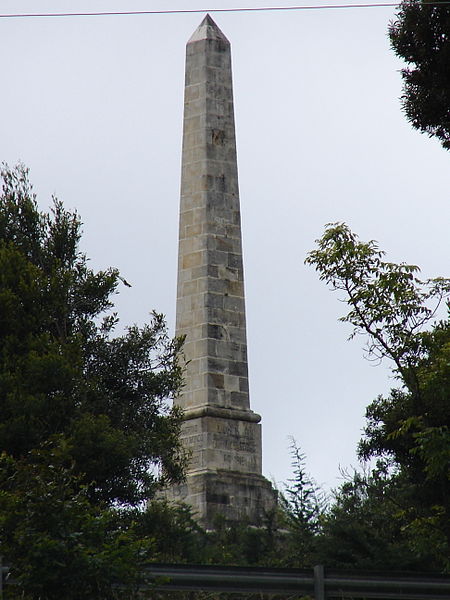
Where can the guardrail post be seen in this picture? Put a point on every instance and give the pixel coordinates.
(319, 582)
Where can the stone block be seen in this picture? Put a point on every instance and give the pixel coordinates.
(232, 383)
(216, 257)
(243, 384)
(238, 368)
(213, 300)
(234, 303)
(216, 380)
(193, 230)
(216, 331)
(189, 287)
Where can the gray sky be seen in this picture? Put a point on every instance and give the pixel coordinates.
(93, 106)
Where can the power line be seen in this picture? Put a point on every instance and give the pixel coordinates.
(215, 10)
(201, 10)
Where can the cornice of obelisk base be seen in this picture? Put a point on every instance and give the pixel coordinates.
(224, 413)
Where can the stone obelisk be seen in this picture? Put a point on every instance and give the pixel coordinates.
(222, 433)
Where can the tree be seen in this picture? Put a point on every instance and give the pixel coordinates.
(62, 373)
(303, 505)
(59, 544)
(409, 430)
(365, 527)
(421, 36)
(84, 415)
(412, 432)
(387, 301)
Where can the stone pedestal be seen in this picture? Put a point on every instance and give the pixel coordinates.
(220, 430)
(236, 497)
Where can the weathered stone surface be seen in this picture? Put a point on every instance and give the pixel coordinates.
(210, 282)
(225, 444)
(238, 497)
(220, 430)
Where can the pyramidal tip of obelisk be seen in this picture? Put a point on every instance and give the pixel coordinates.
(207, 30)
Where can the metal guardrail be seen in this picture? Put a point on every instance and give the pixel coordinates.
(320, 583)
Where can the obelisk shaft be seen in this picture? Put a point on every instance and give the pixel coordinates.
(210, 298)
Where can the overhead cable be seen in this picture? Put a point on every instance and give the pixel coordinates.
(202, 10)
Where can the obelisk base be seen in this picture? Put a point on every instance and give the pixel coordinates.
(243, 498)
(224, 473)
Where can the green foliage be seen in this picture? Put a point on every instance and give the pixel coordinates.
(387, 301)
(415, 425)
(420, 35)
(303, 505)
(61, 545)
(61, 371)
(234, 544)
(85, 428)
(367, 528)
(409, 430)
(177, 537)
(412, 431)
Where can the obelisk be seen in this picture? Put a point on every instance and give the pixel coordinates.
(221, 432)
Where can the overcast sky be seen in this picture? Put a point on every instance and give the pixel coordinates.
(93, 106)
